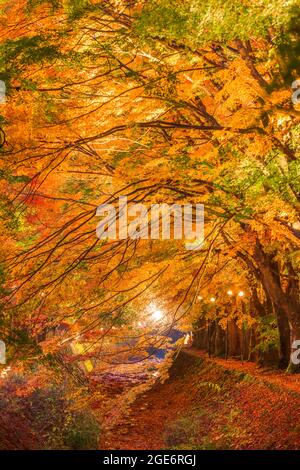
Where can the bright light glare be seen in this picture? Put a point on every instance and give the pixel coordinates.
(199, 297)
(229, 292)
(157, 315)
(212, 299)
(241, 293)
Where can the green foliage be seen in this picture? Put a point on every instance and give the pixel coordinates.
(163, 18)
(28, 50)
(209, 385)
(268, 334)
(75, 186)
(81, 432)
(50, 417)
(182, 431)
(12, 179)
(21, 345)
(24, 51)
(288, 45)
(31, 4)
(11, 218)
(196, 23)
(4, 291)
(294, 140)
(76, 9)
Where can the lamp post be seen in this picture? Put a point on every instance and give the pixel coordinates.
(230, 294)
(240, 295)
(233, 296)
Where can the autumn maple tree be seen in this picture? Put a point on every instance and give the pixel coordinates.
(162, 102)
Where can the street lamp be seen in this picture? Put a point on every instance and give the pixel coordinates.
(230, 293)
(241, 294)
(212, 299)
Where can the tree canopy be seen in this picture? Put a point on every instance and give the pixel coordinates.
(162, 102)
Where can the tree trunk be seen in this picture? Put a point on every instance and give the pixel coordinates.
(267, 273)
(284, 338)
(286, 306)
(219, 341)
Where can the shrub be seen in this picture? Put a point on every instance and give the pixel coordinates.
(82, 432)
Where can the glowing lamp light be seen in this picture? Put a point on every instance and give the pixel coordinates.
(157, 315)
(241, 294)
(230, 293)
(212, 299)
(199, 297)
